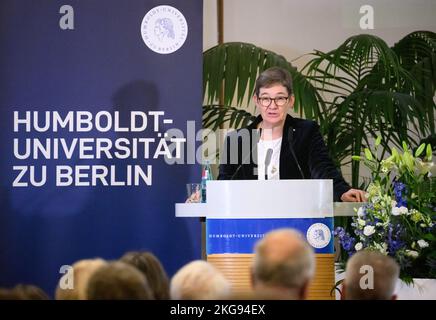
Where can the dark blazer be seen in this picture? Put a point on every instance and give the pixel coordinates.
(309, 147)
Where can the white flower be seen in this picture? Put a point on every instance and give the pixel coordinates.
(368, 230)
(403, 210)
(412, 253)
(382, 248)
(396, 211)
(393, 203)
(422, 243)
(413, 211)
(358, 246)
(360, 212)
(361, 222)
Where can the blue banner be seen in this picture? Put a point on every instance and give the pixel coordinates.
(89, 91)
(241, 235)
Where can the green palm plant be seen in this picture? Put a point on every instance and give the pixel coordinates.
(370, 89)
(360, 90)
(229, 74)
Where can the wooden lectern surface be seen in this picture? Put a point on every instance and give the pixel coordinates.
(236, 268)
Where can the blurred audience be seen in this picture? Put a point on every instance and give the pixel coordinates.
(82, 271)
(150, 266)
(370, 275)
(283, 265)
(118, 281)
(199, 280)
(23, 292)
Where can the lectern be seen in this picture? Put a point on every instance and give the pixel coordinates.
(239, 213)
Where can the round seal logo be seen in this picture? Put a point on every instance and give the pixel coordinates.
(318, 235)
(164, 29)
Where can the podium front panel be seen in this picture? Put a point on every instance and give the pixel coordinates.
(238, 236)
(239, 213)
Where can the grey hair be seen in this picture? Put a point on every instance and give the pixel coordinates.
(199, 280)
(274, 76)
(293, 270)
(385, 272)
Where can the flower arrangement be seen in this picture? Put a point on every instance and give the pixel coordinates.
(399, 218)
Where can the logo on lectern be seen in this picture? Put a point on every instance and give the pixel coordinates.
(164, 29)
(318, 235)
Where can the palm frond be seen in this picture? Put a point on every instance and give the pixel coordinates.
(233, 68)
(417, 53)
(214, 116)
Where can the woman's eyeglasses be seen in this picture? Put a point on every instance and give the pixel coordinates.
(279, 101)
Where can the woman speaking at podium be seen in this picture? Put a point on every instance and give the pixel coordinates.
(278, 146)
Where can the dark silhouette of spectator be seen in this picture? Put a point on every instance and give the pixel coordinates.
(150, 266)
(23, 292)
(118, 281)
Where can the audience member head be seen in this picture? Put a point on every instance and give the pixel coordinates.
(283, 265)
(370, 275)
(150, 266)
(23, 292)
(118, 281)
(82, 271)
(199, 280)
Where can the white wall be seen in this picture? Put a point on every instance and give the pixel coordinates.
(210, 29)
(293, 28)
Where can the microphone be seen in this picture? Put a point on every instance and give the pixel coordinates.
(268, 157)
(290, 140)
(240, 166)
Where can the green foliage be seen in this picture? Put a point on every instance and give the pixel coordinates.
(399, 218)
(358, 91)
(232, 68)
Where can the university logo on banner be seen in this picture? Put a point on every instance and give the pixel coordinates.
(318, 235)
(164, 29)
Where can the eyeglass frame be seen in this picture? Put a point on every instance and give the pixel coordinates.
(273, 99)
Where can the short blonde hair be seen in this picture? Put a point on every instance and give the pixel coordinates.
(82, 270)
(199, 280)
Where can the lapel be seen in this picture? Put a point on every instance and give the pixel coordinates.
(250, 170)
(288, 167)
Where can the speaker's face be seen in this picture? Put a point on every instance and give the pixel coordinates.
(274, 103)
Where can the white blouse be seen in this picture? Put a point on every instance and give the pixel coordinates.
(273, 169)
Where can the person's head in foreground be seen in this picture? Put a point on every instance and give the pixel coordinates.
(199, 280)
(118, 281)
(284, 265)
(82, 271)
(23, 292)
(370, 275)
(150, 266)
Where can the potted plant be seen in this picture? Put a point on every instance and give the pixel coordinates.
(399, 218)
(359, 90)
